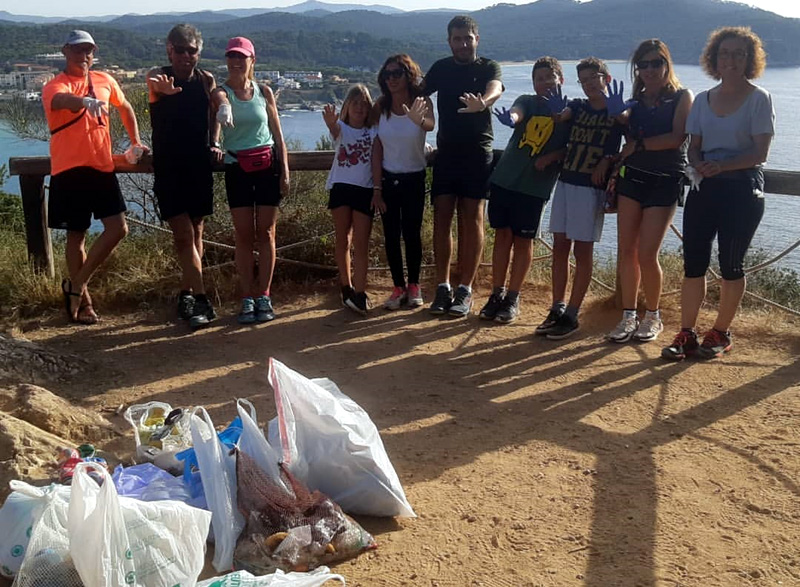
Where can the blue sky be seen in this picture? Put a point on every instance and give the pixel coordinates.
(59, 8)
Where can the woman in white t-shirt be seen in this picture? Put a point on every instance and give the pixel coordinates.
(350, 185)
(404, 116)
(731, 128)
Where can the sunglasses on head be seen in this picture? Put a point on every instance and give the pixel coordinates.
(654, 63)
(181, 50)
(395, 73)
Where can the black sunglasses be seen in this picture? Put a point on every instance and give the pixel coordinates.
(181, 50)
(395, 73)
(654, 63)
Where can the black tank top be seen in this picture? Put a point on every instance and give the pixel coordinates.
(180, 124)
(651, 122)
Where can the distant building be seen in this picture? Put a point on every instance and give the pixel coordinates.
(309, 78)
(271, 75)
(25, 80)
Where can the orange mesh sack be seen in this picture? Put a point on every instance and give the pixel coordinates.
(297, 530)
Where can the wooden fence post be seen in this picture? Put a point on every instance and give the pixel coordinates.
(40, 248)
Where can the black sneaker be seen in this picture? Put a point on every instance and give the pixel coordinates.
(683, 345)
(462, 302)
(715, 344)
(347, 293)
(203, 314)
(493, 304)
(550, 322)
(509, 311)
(442, 301)
(359, 303)
(564, 328)
(264, 311)
(185, 306)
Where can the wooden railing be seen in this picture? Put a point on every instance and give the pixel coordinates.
(33, 170)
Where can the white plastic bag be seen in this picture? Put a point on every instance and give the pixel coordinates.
(19, 513)
(316, 578)
(255, 444)
(218, 472)
(116, 541)
(98, 541)
(156, 442)
(329, 442)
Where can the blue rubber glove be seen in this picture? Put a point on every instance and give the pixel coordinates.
(556, 101)
(504, 116)
(614, 101)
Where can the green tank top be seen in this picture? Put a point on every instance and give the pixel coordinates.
(250, 123)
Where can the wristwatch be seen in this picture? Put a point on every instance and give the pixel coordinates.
(216, 144)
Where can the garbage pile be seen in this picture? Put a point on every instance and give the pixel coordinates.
(275, 507)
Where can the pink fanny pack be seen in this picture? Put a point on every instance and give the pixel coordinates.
(255, 159)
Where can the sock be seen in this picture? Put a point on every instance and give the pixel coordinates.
(512, 296)
(559, 306)
(656, 314)
(466, 287)
(445, 284)
(185, 292)
(628, 314)
(572, 312)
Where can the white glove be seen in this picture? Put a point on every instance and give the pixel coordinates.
(94, 106)
(694, 176)
(133, 154)
(225, 115)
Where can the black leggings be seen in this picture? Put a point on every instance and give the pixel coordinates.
(730, 209)
(404, 194)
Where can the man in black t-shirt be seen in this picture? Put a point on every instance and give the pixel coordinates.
(466, 86)
(183, 180)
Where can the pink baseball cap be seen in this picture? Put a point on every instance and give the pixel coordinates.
(241, 45)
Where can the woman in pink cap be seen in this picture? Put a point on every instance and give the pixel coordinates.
(256, 174)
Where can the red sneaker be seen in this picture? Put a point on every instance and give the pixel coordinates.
(715, 344)
(683, 345)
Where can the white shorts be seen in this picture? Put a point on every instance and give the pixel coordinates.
(577, 211)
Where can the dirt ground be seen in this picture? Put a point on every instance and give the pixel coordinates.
(528, 462)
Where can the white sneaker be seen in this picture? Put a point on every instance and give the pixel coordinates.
(397, 299)
(649, 329)
(624, 330)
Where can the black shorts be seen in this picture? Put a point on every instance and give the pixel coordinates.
(258, 188)
(354, 196)
(464, 175)
(184, 191)
(79, 193)
(519, 212)
(649, 189)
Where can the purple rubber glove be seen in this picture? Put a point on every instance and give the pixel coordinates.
(504, 116)
(556, 101)
(614, 101)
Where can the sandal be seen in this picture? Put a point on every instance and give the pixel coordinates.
(66, 290)
(85, 313)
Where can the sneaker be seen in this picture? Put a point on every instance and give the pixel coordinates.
(564, 328)
(715, 344)
(264, 311)
(550, 322)
(397, 299)
(359, 303)
(625, 330)
(248, 313)
(462, 302)
(203, 314)
(442, 302)
(493, 304)
(649, 329)
(347, 293)
(508, 312)
(414, 294)
(185, 306)
(683, 345)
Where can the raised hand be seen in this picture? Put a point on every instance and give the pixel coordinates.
(94, 106)
(329, 115)
(504, 116)
(417, 112)
(615, 103)
(556, 101)
(225, 115)
(164, 84)
(472, 103)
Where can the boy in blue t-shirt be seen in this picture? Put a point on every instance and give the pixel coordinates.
(521, 185)
(576, 213)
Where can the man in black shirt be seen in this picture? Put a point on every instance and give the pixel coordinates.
(184, 184)
(467, 86)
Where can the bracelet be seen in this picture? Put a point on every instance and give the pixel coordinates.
(376, 188)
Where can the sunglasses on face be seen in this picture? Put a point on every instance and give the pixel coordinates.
(82, 49)
(395, 73)
(183, 50)
(646, 63)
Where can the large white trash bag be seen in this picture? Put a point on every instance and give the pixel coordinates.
(329, 442)
(255, 444)
(316, 578)
(218, 472)
(17, 516)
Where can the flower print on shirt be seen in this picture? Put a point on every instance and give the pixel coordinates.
(353, 153)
